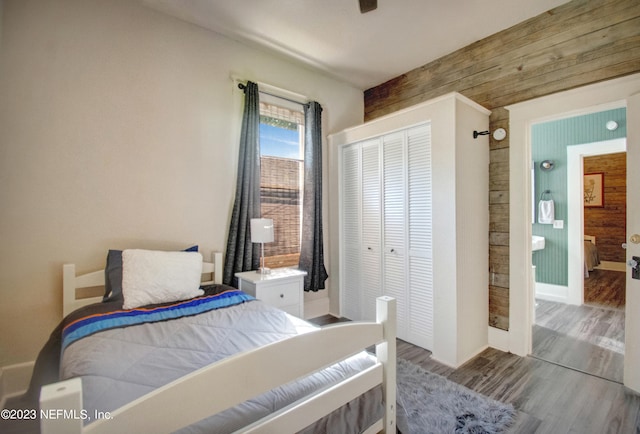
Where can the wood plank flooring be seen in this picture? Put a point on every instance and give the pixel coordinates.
(605, 288)
(589, 338)
(549, 398)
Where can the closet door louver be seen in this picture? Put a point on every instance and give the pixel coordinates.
(371, 225)
(361, 227)
(394, 224)
(350, 233)
(386, 236)
(420, 225)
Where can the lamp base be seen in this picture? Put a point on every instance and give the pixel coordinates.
(263, 270)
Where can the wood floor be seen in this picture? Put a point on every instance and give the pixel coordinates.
(605, 288)
(549, 398)
(589, 338)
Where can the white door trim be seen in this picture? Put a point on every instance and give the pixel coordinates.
(632, 311)
(596, 97)
(575, 208)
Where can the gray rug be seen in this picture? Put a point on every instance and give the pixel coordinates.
(431, 404)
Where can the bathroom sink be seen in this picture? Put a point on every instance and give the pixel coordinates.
(537, 243)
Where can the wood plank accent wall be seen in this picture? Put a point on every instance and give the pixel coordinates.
(578, 43)
(609, 223)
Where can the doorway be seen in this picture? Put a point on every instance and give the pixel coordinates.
(522, 115)
(573, 328)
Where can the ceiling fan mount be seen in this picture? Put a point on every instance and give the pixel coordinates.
(368, 5)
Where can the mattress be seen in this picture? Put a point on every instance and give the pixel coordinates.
(120, 363)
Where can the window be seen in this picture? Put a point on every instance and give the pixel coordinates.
(281, 160)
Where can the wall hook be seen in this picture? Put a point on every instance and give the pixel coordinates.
(480, 133)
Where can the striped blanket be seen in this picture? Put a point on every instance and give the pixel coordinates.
(91, 324)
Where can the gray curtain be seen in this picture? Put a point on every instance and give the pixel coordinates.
(241, 254)
(311, 248)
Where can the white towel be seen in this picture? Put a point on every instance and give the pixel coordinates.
(546, 213)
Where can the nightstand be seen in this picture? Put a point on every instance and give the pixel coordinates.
(282, 288)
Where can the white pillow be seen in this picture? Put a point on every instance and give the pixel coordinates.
(150, 276)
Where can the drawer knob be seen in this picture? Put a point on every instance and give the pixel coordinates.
(281, 295)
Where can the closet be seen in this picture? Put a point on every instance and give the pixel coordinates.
(413, 223)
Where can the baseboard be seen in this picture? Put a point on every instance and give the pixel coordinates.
(316, 308)
(549, 292)
(14, 380)
(473, 355)
(499, 339)
(612, 266)
(443, 362)
(461, 362)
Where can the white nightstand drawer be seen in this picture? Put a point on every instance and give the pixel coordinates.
(281, 295)
(282, 288)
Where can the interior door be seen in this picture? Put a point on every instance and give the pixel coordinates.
(371, 228)
(420, 239)
(351, 294)
(632, 320)
(394, 222)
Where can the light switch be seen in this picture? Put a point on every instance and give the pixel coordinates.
(558, 224)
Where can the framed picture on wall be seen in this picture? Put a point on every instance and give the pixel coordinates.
(594, 190)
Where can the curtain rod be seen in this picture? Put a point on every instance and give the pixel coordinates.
(243, 87)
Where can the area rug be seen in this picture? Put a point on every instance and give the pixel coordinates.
(430, 404)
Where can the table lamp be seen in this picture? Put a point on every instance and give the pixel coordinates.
(262, 232)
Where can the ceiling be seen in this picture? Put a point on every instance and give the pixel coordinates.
(361, 49)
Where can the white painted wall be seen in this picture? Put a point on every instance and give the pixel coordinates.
(472, 240)
(119, 128)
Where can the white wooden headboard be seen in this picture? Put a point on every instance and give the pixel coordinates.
(71, 282)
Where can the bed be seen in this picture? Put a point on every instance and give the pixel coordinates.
(591, 255)
(218, 362)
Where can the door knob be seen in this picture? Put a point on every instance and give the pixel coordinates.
(635, 239)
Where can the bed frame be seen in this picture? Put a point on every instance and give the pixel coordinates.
(223, 387)
(72, 282)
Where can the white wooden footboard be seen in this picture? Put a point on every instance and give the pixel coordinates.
(231, 381)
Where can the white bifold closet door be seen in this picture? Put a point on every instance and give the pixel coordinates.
(371, 229)
(420, 236)
(394, 224)
(361, 229)
(407, 228)
(350, 223)
(386, 234)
